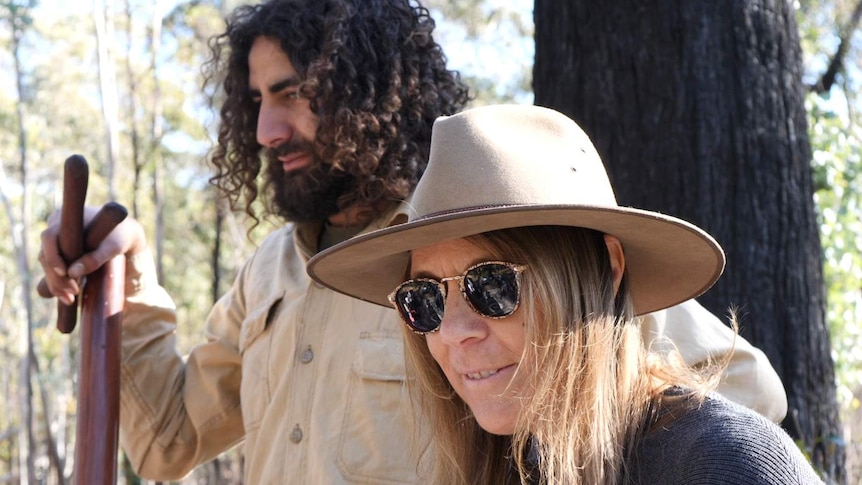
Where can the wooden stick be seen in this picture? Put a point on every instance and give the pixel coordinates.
(97, 435)
(108, 217)
(71, 239)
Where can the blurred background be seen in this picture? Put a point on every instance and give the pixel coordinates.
(119, 82)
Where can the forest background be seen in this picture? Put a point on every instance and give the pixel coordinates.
(120, 83)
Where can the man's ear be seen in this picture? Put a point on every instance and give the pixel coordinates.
(618, 260)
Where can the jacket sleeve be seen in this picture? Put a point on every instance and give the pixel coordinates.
(699, 336)
(176, 412)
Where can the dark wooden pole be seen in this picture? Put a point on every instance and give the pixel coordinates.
(99, 379)
(102, 294)
(71, 240)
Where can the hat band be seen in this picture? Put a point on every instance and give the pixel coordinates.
(462, 210)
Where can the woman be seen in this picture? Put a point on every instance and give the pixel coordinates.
(519, 280)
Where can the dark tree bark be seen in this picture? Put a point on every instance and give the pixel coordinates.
(696, 107)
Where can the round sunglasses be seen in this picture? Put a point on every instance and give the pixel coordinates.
(491, 288)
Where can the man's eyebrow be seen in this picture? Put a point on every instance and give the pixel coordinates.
(290, 82)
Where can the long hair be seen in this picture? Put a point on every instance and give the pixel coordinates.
(375, 78)
(593, 389)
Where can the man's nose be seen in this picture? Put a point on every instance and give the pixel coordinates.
(273, 127)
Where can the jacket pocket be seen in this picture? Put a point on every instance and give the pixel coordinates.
(377, 442)
(255, 348)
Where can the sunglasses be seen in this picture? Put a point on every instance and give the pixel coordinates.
(491, 288)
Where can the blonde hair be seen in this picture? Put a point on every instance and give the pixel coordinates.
(593, 391)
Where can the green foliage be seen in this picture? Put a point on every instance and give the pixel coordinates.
(490, 42)
(835, 134)
(837, 162)
(18, 13)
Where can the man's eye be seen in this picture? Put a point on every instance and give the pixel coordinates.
(293, 95)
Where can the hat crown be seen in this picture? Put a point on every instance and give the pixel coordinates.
(501, 167)
(498, 156)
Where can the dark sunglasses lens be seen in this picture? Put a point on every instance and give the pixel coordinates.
(492, 289)
(421, 305)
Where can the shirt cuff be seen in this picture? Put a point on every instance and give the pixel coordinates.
(140, 272)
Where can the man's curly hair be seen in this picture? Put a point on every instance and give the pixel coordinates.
(375, 78)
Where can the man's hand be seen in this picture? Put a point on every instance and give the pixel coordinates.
(62, 281)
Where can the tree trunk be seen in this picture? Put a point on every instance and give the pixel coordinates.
(104, 22)
(27, 444)
(696, 107)
(157, 132)
(132, 108)
(58, 463)
(26, 437)
(216, 251)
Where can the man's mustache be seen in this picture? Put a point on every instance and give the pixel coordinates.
(288, 148)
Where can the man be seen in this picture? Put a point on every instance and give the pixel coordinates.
(332, 101)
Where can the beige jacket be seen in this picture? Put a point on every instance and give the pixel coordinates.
(311, 380)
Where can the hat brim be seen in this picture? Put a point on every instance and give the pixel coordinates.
(668, 260)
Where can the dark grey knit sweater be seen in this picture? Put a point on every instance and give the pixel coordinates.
(719, 443)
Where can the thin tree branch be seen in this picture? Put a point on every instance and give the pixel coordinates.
(824, 84)
(54, 458)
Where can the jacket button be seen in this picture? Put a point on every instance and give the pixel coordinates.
(296, 434)
(307, 355)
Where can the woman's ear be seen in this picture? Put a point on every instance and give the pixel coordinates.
(618, 260)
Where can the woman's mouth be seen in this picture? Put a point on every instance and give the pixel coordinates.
(484, 374)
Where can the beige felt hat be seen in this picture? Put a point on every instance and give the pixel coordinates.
(498, 167)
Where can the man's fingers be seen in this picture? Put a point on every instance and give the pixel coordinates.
(43, 290)
(64, 289)
(55, 282)
(91, 261)
(49, 254)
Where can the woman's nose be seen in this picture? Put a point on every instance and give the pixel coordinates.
(460, 323)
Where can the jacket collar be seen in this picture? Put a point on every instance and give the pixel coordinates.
(308, 233)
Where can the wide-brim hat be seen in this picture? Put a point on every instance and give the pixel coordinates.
(499, 167)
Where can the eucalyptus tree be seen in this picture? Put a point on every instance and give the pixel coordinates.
(18, 18)
(697, 107)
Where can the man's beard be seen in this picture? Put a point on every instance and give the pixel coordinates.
(308, 194)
